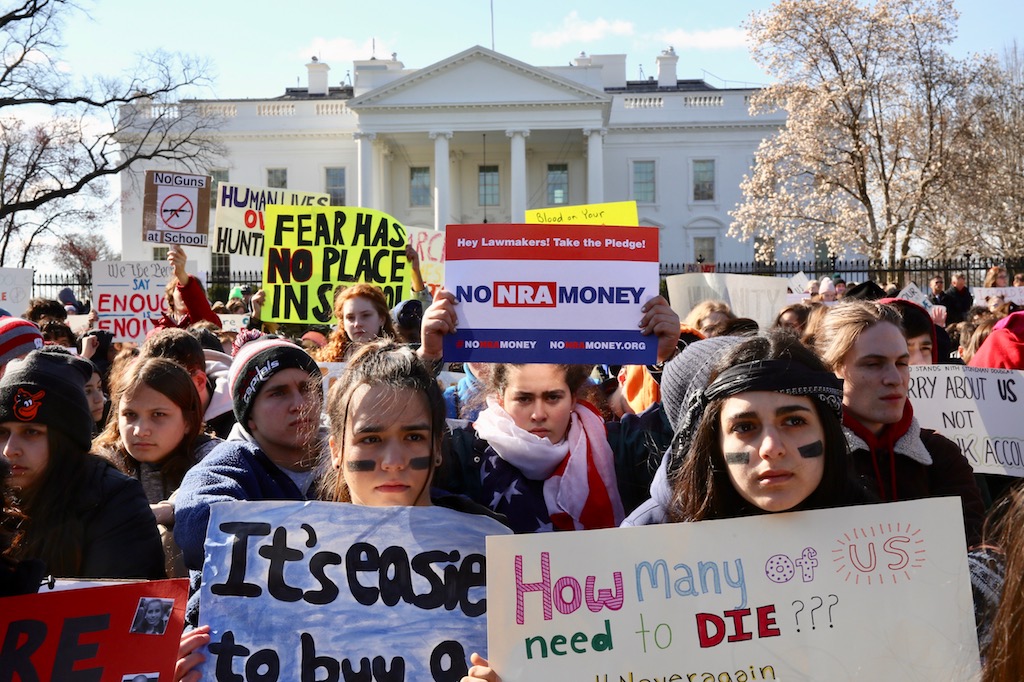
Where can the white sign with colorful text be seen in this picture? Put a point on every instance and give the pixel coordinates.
(129, 296)
(875, 592)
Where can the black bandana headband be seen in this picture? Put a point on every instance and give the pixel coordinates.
(778, 376)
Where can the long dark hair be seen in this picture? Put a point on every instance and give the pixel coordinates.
(703, 489)
(173, 381)
(54, 531)
(379, 363)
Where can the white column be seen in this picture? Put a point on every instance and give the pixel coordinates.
(595, 164)
(442, 179)
(364, 154)
(458, 209)
(517, 192)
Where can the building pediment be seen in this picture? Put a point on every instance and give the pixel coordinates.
(475, 78)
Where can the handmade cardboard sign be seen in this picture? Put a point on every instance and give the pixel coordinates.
(335, 591)
(130, 296)
(118, 632)
(239, 217)
(309, 251)
(176, 208)
(759, 298)
(875, 592)
(429, 245)
(977, 408)
(556, 294)
(610, 213)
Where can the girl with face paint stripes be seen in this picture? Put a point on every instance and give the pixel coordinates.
(770, 438)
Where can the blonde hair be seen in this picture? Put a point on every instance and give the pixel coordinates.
(844, 324)
(705, 308)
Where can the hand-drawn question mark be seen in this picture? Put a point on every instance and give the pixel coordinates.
(821, 602)
(836, 597)
(796, 615)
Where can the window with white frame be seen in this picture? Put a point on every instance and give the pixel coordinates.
(277, 177)
(704, 249)
(220, 266)
(558, 184)
(160, 252)
(487, 186)
(334, 184)
(643, 182)
(419, 186)
(704, 180)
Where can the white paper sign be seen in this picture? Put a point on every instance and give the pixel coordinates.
(977, 408)
(875, 592)
(233, 323)
(315, 589)
(759, 298)
(130, 296)
(1008, 294)
(798, 282)
(15, 289)
(913, 294)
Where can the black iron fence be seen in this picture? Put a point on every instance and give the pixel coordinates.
(900, 272)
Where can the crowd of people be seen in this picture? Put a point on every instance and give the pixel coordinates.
(731, 421)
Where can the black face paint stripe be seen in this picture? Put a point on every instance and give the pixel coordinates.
(811, 450)
(737, 458)
(360, 465)
(419, 463)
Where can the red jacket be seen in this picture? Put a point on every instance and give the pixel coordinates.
(196, 305)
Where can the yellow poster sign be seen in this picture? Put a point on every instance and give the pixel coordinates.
(621, 213)
(308, 251)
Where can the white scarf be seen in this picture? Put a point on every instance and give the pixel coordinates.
(584, 451)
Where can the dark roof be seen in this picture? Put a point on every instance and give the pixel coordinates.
(651, 85)
(342, 92)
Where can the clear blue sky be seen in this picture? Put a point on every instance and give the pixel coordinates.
(258, 48)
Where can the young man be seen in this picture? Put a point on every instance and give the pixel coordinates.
(271, 453)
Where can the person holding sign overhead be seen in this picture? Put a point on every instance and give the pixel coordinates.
(538, 455)
(186, 300)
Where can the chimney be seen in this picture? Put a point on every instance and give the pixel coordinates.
(582, 60)
(667, 61)
(317, 77)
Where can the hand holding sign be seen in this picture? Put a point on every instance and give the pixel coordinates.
(176, 257)
(659, 319)
(439, 319)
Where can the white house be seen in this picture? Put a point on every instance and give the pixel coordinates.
(481, 137)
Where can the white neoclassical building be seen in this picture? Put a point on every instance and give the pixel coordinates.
(481, 137)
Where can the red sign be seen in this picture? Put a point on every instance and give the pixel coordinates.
(122, 632)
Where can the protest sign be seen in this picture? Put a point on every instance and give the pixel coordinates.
(798, 282)
(329, 373)
(233, 323)
(753, 296)
(176, 208)
(115, 632)
(1007, 294)
(875, 592)
(15, 289)
(977, 408)
(239, 217)
(309, 251)
(622, 213)
(429, 245)
(913, 293)
(130, 296)
(532, 293)
(301, 591)
(79, 323)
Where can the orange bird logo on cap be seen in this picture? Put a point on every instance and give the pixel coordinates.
(26, 405)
